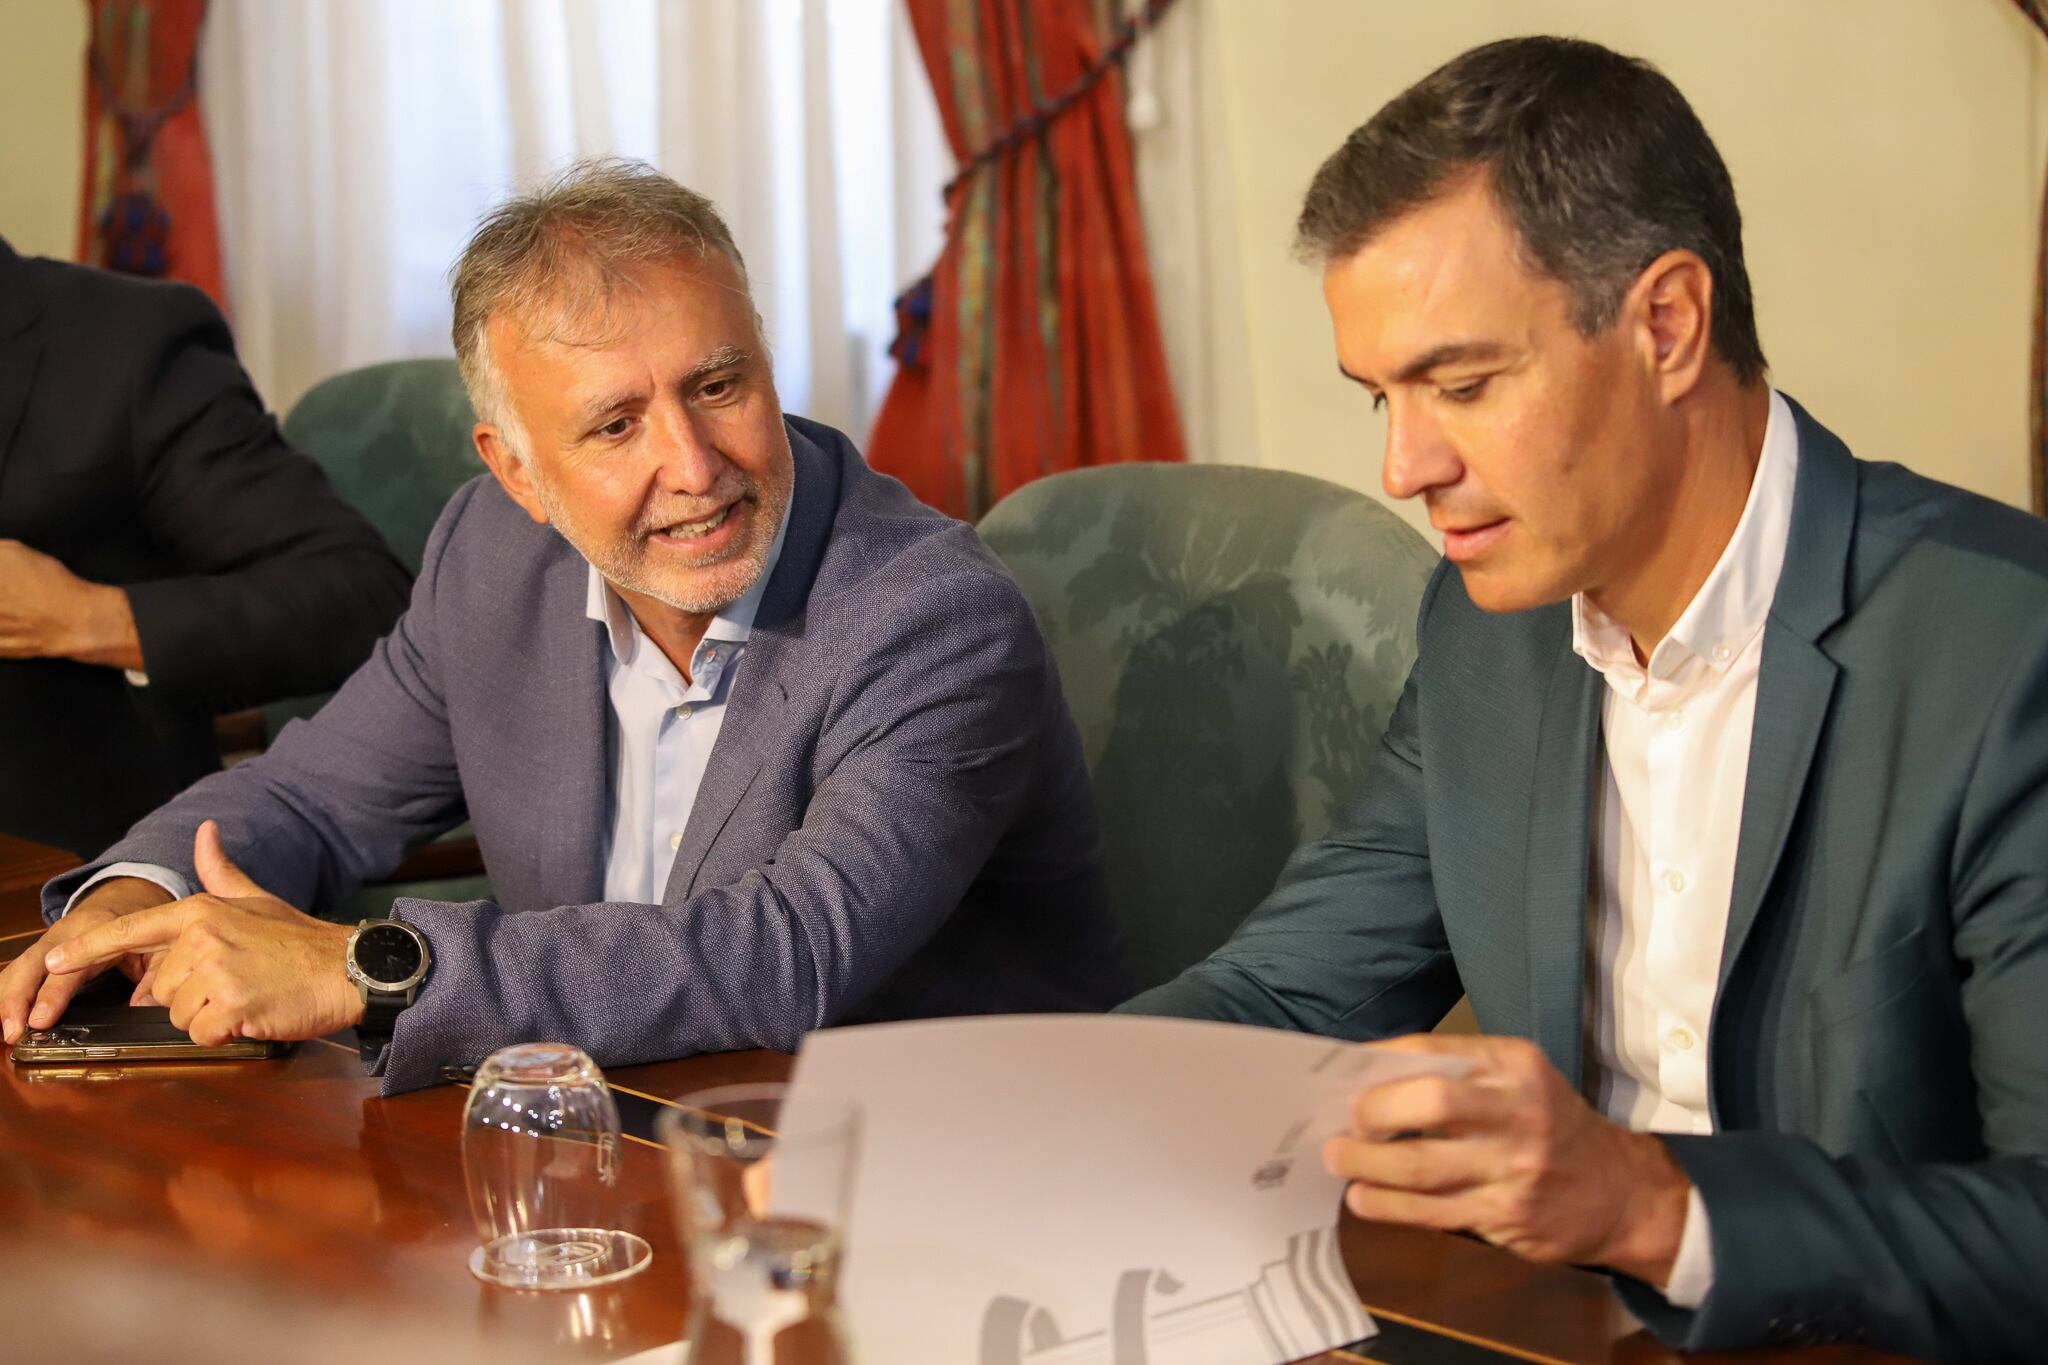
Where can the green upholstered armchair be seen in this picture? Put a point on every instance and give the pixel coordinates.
(394, 438)
(1231, 642)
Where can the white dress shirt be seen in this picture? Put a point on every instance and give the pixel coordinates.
(1666, 820)
(660, 731)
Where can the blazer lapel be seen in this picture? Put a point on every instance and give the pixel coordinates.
(758, 707)
(20, 345)
(752, 730)
(1795, 679)
(571, 758)
(1559, 848)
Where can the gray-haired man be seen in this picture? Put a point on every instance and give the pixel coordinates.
(754, 742)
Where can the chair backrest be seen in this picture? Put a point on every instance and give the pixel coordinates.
(394, 438)
(1231, 642)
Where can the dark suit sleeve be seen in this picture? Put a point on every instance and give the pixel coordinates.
(938, 754)
(1349, 943)
(284, 586)
(1939, 1261)
(335, 800)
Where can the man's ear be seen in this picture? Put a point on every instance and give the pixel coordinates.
(508, 469)
(1672, 303)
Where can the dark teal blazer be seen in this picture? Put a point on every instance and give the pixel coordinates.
(1879, 1048)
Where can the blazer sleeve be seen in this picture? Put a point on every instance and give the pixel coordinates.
(335, 800)
(937, 756)
(1942, 1261)
(1349, 943)
(282, 585)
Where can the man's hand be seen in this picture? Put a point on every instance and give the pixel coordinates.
(32, 998)
(236, 961)
(1511, 1152)
(48, 612)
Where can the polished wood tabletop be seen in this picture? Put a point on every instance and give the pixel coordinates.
(294, 1173)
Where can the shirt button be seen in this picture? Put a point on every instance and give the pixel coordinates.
(1722, 654)
(1675, 880)
(1682, 1038)
(676, 840)
(1674, 720)
(683, 711)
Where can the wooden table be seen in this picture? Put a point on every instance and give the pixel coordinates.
(294, 1176)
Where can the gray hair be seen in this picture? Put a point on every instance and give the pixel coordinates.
(553, 257)
(1596, 158)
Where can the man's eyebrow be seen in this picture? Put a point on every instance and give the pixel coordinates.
(724, 358)
(1450, 353)
(591, 413)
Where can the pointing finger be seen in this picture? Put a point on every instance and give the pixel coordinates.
(143, 931)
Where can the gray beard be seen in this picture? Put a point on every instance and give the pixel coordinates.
(618, 567)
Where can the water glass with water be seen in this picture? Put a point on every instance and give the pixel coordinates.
(762, 1177)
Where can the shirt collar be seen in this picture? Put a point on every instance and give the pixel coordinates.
(601, 602)
(1731, 606)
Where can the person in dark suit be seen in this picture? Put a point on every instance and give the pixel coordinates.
(1720, 783)
(752, 741)
(165, 556)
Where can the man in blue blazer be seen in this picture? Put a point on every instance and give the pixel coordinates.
(1720, 784)
(752, 741)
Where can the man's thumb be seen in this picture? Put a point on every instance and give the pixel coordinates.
(217, 872)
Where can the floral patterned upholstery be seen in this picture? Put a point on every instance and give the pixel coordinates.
(1231, 642)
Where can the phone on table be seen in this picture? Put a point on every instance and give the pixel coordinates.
(101, 1026)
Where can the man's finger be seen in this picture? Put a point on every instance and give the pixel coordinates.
(213, 1025)
(1428, 1104)
(144, 931)
(55, 994)
(217, 872)
(19, 982)
(141, 994)
(1451, 1213)
(1420, 1165)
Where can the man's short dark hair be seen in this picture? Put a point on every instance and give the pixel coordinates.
(1596, 158)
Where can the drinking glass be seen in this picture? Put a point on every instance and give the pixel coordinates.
(762, 1176)
(540, 1152)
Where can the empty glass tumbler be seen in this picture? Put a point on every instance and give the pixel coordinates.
(762, 1177)
(540, 1152)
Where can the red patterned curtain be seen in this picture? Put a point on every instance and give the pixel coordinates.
(147, 207)
(1034, 345)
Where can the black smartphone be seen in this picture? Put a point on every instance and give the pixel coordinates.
(101, 1026)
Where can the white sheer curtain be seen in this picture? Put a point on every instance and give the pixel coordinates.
(356, 142)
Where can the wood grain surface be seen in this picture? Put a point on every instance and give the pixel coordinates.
(295, 1174)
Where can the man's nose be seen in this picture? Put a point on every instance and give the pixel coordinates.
(690, 461)
(1418, 458)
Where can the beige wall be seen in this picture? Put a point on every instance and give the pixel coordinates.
(1887, 154)
(42, 117)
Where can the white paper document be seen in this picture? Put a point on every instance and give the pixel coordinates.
(1093, 1189)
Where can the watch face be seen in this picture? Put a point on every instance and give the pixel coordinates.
(387, 954)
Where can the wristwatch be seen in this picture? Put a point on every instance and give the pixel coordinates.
(387, 959)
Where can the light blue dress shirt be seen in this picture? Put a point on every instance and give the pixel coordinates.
(660, 731)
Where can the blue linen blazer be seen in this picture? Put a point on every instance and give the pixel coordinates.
(895, 820)
(1878, 1061)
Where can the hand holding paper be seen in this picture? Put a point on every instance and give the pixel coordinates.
(1509, 1151)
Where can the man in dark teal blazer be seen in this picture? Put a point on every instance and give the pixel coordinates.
(1721, 781)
